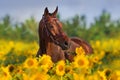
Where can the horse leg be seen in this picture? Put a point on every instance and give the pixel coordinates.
(69, 56)
(70, 53)
(38, 53)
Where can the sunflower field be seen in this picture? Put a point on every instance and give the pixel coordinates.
(18, 62)
(19, 45)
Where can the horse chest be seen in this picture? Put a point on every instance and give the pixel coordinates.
(55, 52)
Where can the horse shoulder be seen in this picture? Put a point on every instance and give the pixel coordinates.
(73, 46)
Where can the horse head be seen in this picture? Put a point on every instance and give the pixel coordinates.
(51, 29)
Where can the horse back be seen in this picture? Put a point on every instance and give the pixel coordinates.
(85, 45)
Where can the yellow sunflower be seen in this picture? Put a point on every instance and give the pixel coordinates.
(97, 43)
(80, 51)
(5, 75)
(45, 60)
(30, 63)
(68, 69)
(60, 68)
(81, 62)
(118, 72)
(92, 77)
(39, 76)
(44, 68)
(25, 76)
(115, 75)
(95, 59)
(101, 75)
(78, 76)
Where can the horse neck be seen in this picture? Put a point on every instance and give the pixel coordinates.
(42, 46)
(45, 41)
(47, 46)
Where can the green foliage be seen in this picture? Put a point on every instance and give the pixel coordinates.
(13, 58)
(26, 31)
(102, 27)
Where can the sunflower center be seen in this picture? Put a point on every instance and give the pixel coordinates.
(80, 62)
(11, 68)
(60, 68)
(30, 63)
(38, 78)
(5, 74)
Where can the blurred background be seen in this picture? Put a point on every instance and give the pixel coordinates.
(90, 20)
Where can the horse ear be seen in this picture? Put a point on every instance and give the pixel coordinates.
(46, 12)
(55, 12)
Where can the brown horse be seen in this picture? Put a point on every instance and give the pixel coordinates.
(54, 42)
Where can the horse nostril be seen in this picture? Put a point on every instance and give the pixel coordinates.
(66, 43)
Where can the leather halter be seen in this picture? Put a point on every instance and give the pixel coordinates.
(49, 33)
